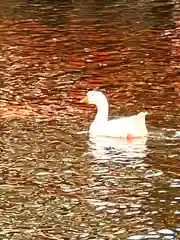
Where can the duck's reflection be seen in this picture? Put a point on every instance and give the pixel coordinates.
(118, 148)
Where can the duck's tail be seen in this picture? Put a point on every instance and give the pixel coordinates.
(143, 114)
(140, 123)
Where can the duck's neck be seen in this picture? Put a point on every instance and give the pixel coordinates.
(102, 112)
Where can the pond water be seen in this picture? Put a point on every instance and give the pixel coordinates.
(56, 183)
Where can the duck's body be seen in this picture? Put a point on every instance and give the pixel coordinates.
(125, 127)
(133, 126)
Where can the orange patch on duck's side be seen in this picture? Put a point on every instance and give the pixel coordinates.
(129, 137)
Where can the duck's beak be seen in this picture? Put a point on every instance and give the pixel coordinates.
(84, 100)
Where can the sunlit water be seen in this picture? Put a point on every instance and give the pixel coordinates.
(56, 183)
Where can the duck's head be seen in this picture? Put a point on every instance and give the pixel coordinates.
(94, 97)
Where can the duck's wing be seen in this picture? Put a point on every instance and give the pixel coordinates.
(121, 127)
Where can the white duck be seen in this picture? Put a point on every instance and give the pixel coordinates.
(125, 127)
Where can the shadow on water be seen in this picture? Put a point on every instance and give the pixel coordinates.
(57, 184)
(117, 148)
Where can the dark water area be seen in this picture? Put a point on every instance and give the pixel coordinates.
(56, 183)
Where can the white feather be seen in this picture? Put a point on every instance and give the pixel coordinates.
(122, 127)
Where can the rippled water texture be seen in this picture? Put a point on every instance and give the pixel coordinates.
(56, 183)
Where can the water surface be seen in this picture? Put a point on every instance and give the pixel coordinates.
(57, 184)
